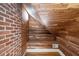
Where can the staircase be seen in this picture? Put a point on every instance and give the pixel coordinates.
(40, 39)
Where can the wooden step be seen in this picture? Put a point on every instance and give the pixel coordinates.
(43, 54)
(41, 47)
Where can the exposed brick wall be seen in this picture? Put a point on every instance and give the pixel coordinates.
(11, 29)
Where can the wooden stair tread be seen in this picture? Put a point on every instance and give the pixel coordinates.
(43, 54)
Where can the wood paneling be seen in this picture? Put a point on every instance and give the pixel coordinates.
(63, 22)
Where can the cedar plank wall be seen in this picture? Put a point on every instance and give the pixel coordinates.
(64, 23)
(39, 37)
(68, 35)
(12, 30)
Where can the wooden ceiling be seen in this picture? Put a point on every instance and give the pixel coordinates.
(57, 16)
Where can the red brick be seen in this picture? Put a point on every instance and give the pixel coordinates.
(2, 46)
(1, 18)
(4, 23)
(13, 12)
(3, 41)
(9, 13)
(4, 32)
(9, 28)
(8, 20)
(13, 25)
(9, 35)
(13, 37)
(5, 15)
(2, 9)
(2, 54)
(1, 28)
(9, 42)
(12, 18)
(8, 54)
(2, 36)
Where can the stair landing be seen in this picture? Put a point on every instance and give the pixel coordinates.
(44, 52)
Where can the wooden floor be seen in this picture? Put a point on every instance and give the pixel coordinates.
(43, 54)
